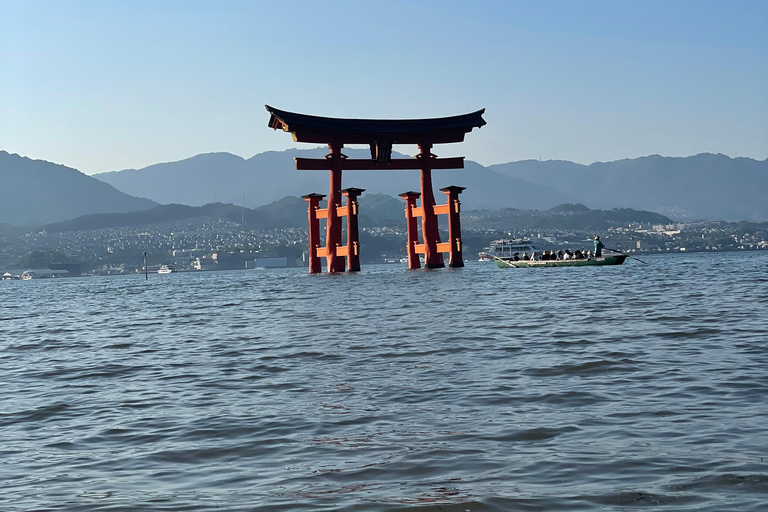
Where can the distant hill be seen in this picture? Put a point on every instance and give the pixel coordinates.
(289, 212)
(262, 178)
(375, 210)
(202, 179)
(286, 213)
(37, 192)
(704, 186)
(564, 216)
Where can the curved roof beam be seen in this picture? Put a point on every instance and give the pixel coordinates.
(327, 130)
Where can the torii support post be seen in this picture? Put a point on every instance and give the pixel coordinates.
(353, 237)
(313, 201)
(413, 229)
(334, 262)
(429, 228)
(454, 225)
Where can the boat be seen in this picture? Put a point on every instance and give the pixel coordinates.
(164, 270)
(26, 275)
(507, 248)
(610, 258)
(7, 276)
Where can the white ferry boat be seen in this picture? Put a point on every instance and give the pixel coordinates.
(506, 249)
(164, 270)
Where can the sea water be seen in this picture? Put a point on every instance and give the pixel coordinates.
(473, 389)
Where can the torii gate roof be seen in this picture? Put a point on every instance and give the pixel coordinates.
(315, 129)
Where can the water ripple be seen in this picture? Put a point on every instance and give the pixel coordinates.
(461, 389)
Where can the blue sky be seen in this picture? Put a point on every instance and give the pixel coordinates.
(104, 86)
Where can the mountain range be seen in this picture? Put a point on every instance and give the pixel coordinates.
(226, 178)
(704, 186)
(37, 192)
(709, 186)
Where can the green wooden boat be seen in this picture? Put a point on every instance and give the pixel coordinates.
(606, 259)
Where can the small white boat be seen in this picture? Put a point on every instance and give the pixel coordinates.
(7, 276)
(507, 249)
(26, 275)
(164, 270)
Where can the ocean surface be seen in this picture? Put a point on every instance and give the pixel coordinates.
(474, 389)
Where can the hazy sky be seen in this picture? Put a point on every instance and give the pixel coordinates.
(104, 86)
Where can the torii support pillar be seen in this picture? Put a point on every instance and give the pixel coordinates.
(353, 237)
(314, 231)
(454, 225)
(334, 261)
(429, 229)
(413, 229)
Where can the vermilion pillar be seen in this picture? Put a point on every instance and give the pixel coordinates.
(429, 229)
(314, 231)
(454, 225)
(334, 262)
(353, 237)
(413, 229)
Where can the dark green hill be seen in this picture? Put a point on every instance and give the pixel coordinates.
(288, 212)
(375, 210)
(562, 217)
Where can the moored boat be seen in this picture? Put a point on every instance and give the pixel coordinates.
(611, 258)
(164, 270)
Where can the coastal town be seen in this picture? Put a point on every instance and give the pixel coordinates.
(223, 244)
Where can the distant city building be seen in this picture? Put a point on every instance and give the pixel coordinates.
(270, 262)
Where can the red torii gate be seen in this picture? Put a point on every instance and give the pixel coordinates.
(380, 135)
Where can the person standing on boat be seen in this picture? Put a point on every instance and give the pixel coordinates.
(598, 247)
